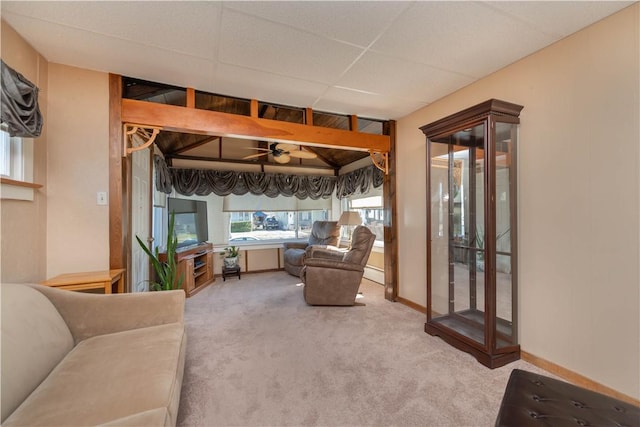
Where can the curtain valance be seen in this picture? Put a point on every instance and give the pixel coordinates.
(359, 181)
(19, 104)
(222, 183)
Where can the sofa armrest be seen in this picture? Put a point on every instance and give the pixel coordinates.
(89, 315)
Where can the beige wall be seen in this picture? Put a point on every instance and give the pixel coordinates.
(77, 168)
(579, 187)
(23, 223)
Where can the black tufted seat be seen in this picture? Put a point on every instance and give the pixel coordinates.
(536, 400)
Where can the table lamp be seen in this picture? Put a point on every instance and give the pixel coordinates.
(350, 218)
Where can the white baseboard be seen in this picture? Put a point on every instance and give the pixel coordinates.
(374, 275)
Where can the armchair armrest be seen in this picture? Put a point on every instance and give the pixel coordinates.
(89, 315)
(295, 245)
(329, 252)
(332, 263)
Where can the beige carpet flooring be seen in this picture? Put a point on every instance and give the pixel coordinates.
(257, 355)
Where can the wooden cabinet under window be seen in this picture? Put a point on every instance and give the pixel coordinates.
(472, 231)
(195, 266)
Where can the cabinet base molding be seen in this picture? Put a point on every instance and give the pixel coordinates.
(575, 378)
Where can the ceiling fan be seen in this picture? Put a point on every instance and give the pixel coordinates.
(282, 153)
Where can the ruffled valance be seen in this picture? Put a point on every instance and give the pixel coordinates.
(359, 181)
(222, 183)
(19, 104)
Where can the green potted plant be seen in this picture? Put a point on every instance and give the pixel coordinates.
(166, 271)
(230, 256)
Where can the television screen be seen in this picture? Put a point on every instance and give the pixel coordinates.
(190, 225)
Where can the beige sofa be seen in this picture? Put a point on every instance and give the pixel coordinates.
(71, 358)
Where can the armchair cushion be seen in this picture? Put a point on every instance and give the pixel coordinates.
(323, 233)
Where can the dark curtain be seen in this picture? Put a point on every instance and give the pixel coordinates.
(359, 181)
(163, 175)
(19, 104)
(222, 183)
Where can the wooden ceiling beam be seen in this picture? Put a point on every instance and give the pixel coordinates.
(205, 122)
(191, 97)
(194, 145)
(247, 162)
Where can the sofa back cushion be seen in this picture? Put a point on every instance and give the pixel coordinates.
(35, 339)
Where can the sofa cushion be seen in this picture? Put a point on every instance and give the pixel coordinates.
(109, 377)
(35, 339)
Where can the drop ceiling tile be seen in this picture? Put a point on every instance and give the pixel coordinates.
(257, 44)
(93, 51)
(188, 27)
(256, 84)
(399, 78)
(559, 18)
(348, 21)
(466, 37)
(345, 101)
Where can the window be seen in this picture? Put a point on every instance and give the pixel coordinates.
(16, 157)
(370, 208)
(16, 164)
(11, 164)
(252, 227)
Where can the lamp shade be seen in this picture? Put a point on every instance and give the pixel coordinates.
(350, 218)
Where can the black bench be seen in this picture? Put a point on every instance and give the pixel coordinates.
(535, 400)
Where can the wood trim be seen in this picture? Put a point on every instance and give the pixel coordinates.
(411, 304)
(191, 97)
(353, 123)
(194, 145)
(464, 117)
(243, 162)
(181, 119)
(575, 378)
(25, 184)
(551, 367)
(391, 219)
(253, 108)
(308, 116)
(117, 178)
(279, 266)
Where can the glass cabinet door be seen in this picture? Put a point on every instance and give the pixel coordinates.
(457, 231)
(505, 233)
(472, 231)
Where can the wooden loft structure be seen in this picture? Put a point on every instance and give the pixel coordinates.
(177, 120)
(189, 119)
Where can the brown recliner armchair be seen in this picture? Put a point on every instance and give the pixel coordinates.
(324, 233)
(333, 277)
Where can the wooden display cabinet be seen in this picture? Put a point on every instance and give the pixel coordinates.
(195, 266)
(472, 267)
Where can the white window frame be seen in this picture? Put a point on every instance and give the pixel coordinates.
(360, 203)
(16, 164)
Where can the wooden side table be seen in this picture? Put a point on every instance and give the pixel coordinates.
(230, 271)
(89, 280)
